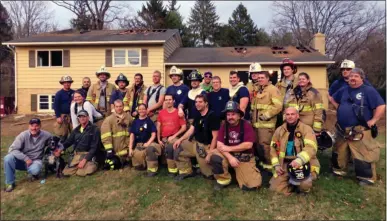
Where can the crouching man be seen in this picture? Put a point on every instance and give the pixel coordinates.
(86, 141)
(26, 153)
(235, 147)
(293, 143)
(204, 130)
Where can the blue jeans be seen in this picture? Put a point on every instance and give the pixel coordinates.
(11, 164)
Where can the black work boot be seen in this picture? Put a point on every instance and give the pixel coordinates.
(219, 187)
(181, 177)
(32, 178)
(151, 174)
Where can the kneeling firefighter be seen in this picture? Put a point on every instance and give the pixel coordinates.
(293, 147)
(115, 135)
(142, 147)
(235, 147)
(205, 132)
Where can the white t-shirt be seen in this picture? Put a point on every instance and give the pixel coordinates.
(87, 106)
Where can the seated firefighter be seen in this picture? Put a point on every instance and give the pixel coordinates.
(86, 141)
(293, 149)
(26, 153)
(142, 148)
(115, 136)
(204, 132)
(235, 147)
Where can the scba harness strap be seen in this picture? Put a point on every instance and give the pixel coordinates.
(242, 157)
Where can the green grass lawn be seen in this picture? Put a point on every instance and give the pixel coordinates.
(127, 194)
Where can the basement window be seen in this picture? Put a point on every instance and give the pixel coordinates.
(46, 103)
(49, 58)
(126, 57)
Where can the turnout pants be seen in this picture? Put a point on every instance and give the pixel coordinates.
(64, 129)
(147, 157)
(264, 136)
(247, 174)
(186, 151)
(169, 153)
(72, 167)
(365, 153)
(281, 183)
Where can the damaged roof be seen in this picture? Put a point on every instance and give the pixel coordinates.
(246, 55)
(70, 36)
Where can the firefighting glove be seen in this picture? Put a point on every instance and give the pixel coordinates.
(109, 154)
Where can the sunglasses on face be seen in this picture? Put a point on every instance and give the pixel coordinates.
(347, 69)
(207, 76)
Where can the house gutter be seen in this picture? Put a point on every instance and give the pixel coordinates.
(248, 63)
(82, 43)
(15, 67)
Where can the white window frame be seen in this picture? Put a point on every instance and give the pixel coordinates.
(49, 58)
(127, 64)
(50, 102)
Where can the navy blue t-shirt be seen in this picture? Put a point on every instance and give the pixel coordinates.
(179, 93)
(218, 100)
(341, 83)
(117, 95)
(142, 130)
(62, 102)
(243, 92)
(350, 100)
(192, 111)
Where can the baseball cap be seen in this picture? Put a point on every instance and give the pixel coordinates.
(35, 121)
(82, 113)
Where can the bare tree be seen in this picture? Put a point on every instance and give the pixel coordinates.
(347, 25)
(30, 17)
(101, 12)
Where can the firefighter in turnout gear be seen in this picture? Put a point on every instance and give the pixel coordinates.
(293, 143)
(359, 108)
(267, 104)
(122, 83)
(142, 148)
(252, 86)
(99, 93)
(62, 103)
(135, 94)
(235, 147)
(308, 101)
(204, 130)
(115, 134)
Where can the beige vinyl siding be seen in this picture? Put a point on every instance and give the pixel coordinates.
(171, 45)
(317, 73)
(84, 62)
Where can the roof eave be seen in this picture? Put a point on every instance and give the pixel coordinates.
(82, 43)
(248, 63)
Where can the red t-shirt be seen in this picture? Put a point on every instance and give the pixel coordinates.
(170, 122)
(234, 137)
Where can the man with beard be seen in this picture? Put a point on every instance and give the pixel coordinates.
(359, 108)
(135, 94)
(206, 85)
(86, 82)
(235, 147)
(120, 94)
(205, 132)
(195, 78)
(100, 92)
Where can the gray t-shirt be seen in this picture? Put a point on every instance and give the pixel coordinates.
(152, 99)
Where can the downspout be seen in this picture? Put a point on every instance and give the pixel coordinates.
(15, 60)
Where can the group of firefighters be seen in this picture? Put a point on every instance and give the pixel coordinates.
(206, 129)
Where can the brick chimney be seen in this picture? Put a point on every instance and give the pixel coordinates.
(318, 42)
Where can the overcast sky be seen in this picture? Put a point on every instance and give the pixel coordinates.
(259, 11)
